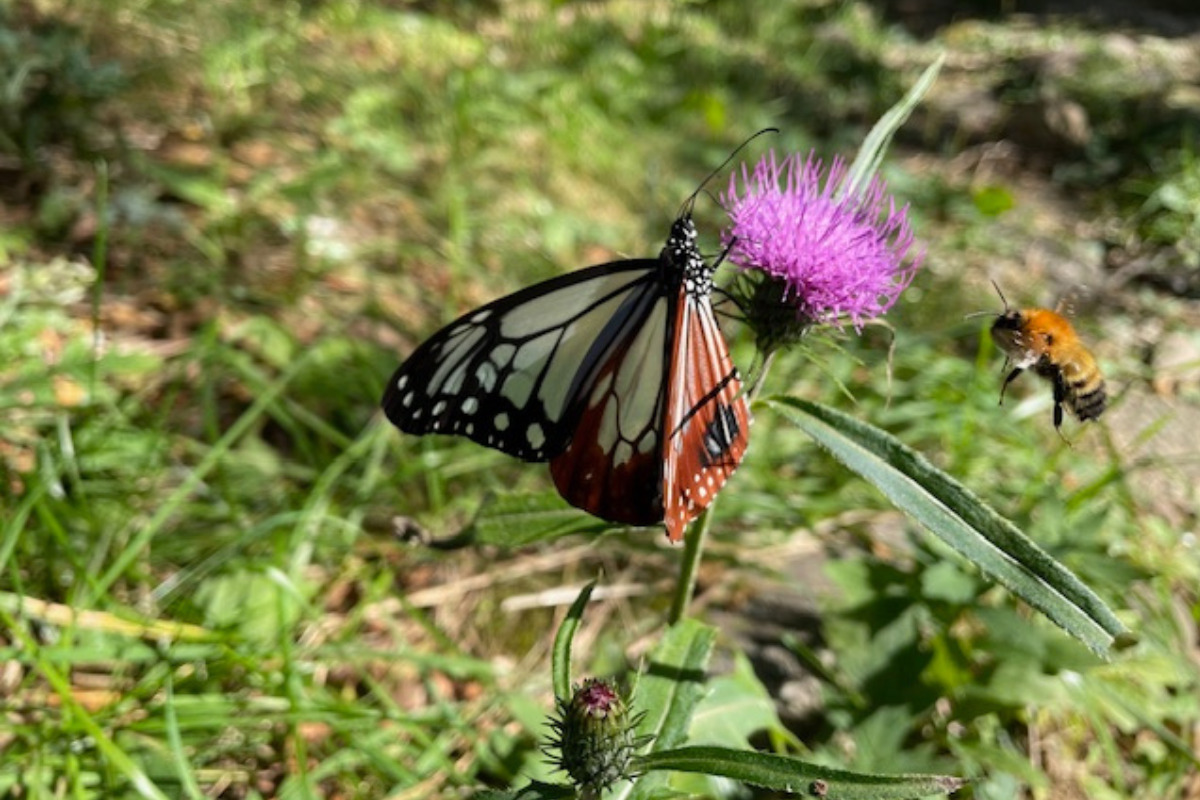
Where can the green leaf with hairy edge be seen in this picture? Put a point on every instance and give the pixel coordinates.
(736, 707)
(785, 774)
(960, 519)
(670, 686)
(560, 662)
(673, 682)
(515, 520)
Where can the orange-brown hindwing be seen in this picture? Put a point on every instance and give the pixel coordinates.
(612, 467)
(708, 422)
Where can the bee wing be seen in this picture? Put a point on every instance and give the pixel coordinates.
(1074, 298)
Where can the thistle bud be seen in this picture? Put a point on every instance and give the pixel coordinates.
(595, 737)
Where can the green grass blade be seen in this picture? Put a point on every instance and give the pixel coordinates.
(785, 774)
(874, 147)
(960, 519)
(119, 760)
(195, 477)
(187, 779)
(561, 660)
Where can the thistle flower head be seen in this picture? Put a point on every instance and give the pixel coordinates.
(594, 736)
(837, 254)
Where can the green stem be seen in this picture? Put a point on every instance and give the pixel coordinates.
(697, 532)
(689, 568)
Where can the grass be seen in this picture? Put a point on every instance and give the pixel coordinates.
(227, 224)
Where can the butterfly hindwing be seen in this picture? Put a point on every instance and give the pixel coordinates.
(613, 466)
(509, 375)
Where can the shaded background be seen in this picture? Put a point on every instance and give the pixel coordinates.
(222, 227)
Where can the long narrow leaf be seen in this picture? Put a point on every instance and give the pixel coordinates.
(960, 519)
(785, 774)
(561, 659)
(870, 155)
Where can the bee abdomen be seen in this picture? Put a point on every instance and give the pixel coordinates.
(1088, 399)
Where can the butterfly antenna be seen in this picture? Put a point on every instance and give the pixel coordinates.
(690, 203)
(725, 299)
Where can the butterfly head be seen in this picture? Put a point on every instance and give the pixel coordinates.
(683, 259)
(683, 236)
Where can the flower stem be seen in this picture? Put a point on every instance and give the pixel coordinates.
(697, 532)
(689, 568)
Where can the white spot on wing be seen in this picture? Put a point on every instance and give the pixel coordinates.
(486, 375)
(501, 422)
(536, 436)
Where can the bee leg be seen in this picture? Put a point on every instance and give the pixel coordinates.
(1060, 397)
(1012, 376)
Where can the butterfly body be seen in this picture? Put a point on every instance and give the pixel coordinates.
(616, 374)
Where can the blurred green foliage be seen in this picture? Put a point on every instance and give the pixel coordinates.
(54, 88)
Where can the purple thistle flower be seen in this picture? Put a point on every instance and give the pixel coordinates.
(838, 255)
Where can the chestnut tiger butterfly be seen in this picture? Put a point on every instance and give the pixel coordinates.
(617, 374)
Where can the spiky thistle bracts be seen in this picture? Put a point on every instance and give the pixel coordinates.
(836, 255)
(594, 737)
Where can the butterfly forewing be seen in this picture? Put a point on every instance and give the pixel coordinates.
(707, 420)
(511, 375)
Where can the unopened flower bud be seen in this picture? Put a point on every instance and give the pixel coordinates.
(595, 736)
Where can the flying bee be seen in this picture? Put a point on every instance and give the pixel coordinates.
(1044, 341)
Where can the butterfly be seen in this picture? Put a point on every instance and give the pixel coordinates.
(617, 374)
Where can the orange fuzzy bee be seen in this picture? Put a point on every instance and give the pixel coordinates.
(1044, 341)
